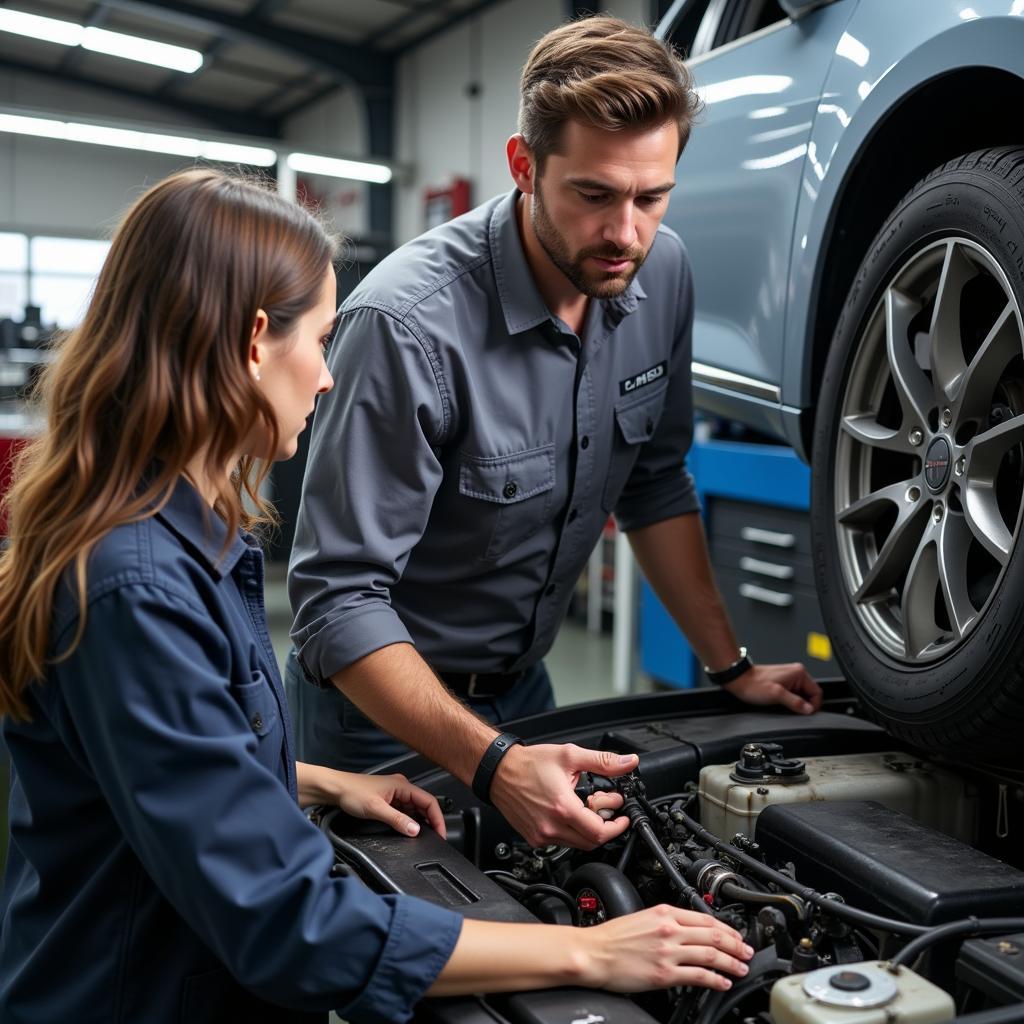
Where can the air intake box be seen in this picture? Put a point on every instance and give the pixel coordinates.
(884, 861)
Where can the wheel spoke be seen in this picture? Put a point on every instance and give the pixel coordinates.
(895, 554)
(918, 605)
(865, 511)
(978, 383)
(912, 386)
(954, 543)
(986, 451)
(947, 354)
(985, 521)
(865, 428)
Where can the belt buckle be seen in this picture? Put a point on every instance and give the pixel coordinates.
(471, 689)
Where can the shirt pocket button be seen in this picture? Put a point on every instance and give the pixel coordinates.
(510, 490)
(256, 722)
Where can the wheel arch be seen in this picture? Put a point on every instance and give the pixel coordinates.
(945, 117)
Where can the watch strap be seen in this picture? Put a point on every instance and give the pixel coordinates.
(734, 671)
(499, 747)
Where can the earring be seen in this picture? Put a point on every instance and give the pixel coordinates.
(258, 375)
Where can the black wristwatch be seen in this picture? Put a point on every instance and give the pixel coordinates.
(734, 671)
(500, 746)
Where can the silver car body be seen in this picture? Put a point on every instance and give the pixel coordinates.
(790, 114)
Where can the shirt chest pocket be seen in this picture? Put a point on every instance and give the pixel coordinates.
(513, 496)
(636, 419)
(259, 705)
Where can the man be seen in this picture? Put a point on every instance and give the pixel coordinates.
(505, 382)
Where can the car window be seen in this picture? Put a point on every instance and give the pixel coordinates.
(705, 25)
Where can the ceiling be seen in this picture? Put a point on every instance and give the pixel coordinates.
(263, 60)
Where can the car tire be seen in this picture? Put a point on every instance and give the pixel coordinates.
(918, 466)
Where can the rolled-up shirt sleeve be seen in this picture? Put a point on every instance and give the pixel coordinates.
(370, 482)
(216, 830)
(659, 485)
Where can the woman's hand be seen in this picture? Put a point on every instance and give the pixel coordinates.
(392, 799)
(660, 947)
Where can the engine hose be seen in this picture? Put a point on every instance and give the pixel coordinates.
(688, 892)
(971, 926)
(613, 888)
(526, 890)
(740, 894)
(627, 852)
(1013, 1014)
(840, 910)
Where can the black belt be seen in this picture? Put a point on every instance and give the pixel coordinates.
(481, 684)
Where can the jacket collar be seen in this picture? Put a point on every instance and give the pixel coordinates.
(188, 516)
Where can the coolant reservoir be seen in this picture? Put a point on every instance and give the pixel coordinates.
(865, 993)
(732, 795)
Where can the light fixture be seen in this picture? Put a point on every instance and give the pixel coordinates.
(358, 170)
(100, 40)
(150, 142)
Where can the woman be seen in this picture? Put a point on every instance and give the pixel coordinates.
(160, 866)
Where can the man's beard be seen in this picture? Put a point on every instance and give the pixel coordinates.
(588, 279)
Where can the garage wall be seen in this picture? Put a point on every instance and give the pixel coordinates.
(73, 189)
(443, 130)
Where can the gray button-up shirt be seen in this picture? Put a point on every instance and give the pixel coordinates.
(462, 469)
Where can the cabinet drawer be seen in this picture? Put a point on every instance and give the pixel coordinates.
(769, 566)
(776, 621)
(765, 528)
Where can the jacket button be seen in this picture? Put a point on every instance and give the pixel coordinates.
(649, 425)
(510, 490)
(256, 722)
(585, 442)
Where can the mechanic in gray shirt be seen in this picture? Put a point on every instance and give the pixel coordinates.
(503, 383)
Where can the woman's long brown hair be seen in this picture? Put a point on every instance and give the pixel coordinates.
(156, 373)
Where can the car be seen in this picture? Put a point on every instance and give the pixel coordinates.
(874, 884)
(852, 199)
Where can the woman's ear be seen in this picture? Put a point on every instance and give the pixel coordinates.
(258, 343)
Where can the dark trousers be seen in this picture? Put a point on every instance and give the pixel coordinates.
(331, 730)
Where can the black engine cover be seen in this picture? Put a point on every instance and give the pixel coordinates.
(884, 861)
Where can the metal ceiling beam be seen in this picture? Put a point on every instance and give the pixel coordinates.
(469, 12)
(235, 122)
(345, 63)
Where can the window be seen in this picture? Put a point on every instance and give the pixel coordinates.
(56, 274)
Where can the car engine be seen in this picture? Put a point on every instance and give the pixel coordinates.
(862, 874)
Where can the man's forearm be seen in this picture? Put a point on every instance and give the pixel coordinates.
(395, 687)
(673, 555)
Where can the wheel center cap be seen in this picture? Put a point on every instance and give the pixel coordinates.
(936, 463)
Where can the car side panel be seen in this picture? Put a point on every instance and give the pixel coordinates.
(738, 184)
(886, 52)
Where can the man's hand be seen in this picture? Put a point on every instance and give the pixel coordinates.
(789, 685)
(533, 789)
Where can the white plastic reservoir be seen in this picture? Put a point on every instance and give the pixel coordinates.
(733, 795)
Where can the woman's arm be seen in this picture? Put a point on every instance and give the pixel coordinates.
(653, 948)
(392, 799)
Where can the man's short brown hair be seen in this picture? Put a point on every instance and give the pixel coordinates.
(605, 73)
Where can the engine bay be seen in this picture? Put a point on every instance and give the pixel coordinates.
(874, 884)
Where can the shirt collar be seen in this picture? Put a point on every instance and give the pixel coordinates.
(188, 516)
(521, 302)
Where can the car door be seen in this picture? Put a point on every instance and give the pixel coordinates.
(759, 75)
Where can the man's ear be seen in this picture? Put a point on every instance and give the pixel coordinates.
(521, 164)
(258, 343)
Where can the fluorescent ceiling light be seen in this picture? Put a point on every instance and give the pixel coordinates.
(356, 169)
(150, 142)
(148, 51)
(100, 40)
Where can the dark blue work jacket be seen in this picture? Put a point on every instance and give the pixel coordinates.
(160, 869)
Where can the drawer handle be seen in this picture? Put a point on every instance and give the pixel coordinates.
(765, 596)
(777, 572)
(759, 536)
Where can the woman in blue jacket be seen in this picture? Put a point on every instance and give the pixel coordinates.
(160, 867)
